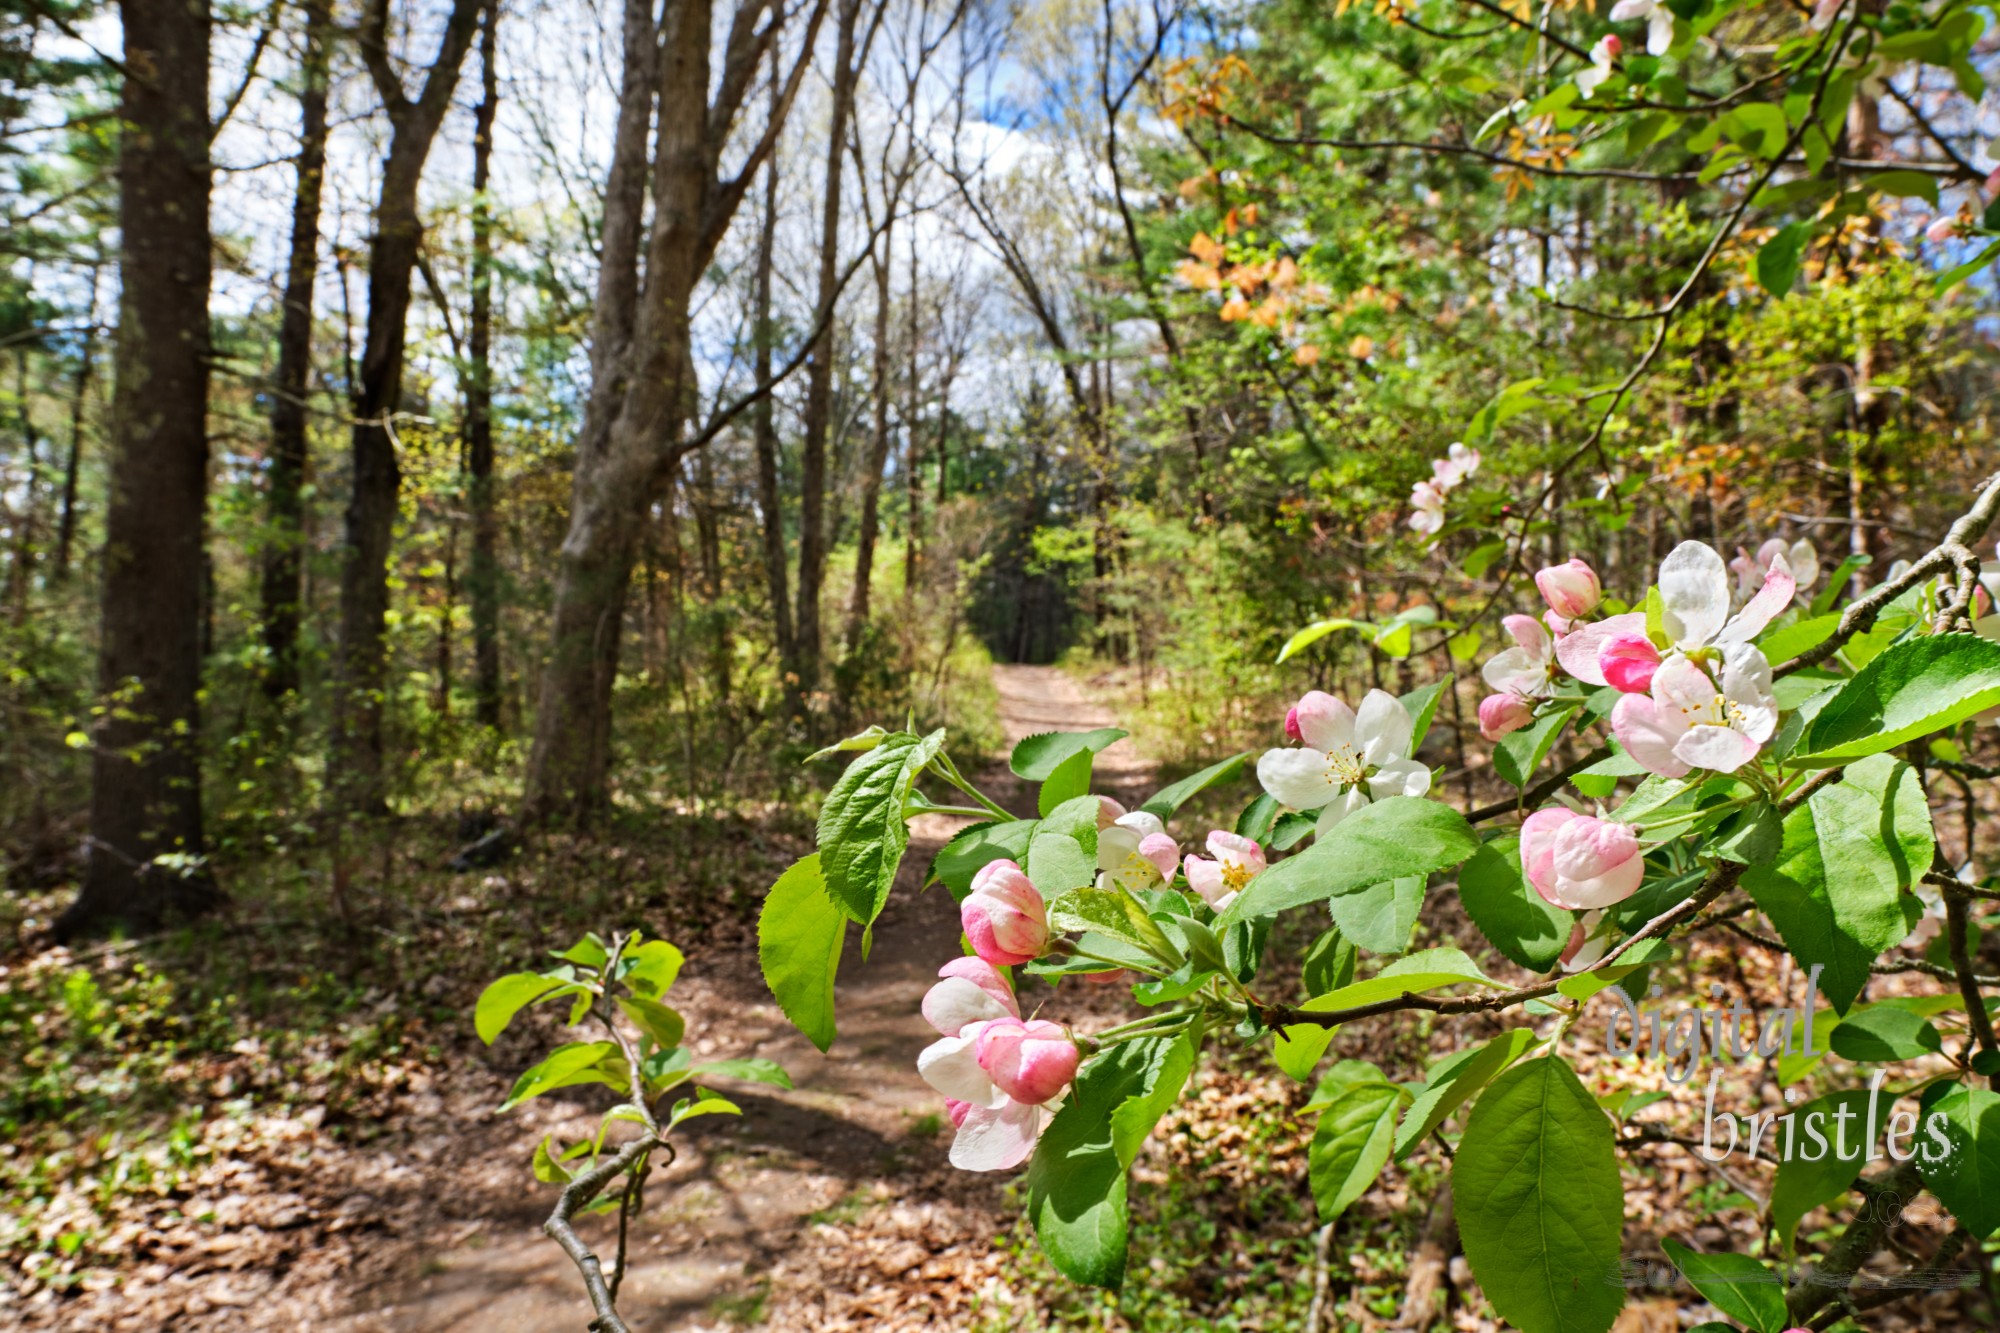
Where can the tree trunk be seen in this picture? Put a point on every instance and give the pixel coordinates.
(79, 396)
(572, 727)
(765, 433)
(484, 577)
(361, 682)
(612, 489)
(20, 572)
(913, 471)
(877, 458)
(145, 800)
(819, 371)
(284, 552)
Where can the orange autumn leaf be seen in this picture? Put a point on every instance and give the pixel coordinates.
(1206, 248)
(1286, 275)
(1202, 277)
(1235, 308)
(1362, 347)
(1306, 354)
(1249, 277)
(1269, 312)
(1249, 212)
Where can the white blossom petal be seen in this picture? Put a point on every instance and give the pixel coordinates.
(1350, 800)
(997, 1138)
(1577, 650)
(1722, 749)
(951, 1065)
(1300, 778)
(1383, 727)
(1694, 590)
(1400, 777)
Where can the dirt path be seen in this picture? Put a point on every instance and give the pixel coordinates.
(845, 1172)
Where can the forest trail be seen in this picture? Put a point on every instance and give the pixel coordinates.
(858, 1138)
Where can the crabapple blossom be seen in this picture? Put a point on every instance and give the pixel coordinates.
(1030, 1061)
(1751, 570)
(1942, 228)
(1004, 915)
(1134, 851)
(1426, 507)
(1688, 721)
(1579, 861)
(1628, 662)
(1348, 758)
(1500, 714)
(1427, 497)
(1528, 668)
(970, 990)
(1695, 611)
(1457, 464)
(1659, 22)
(1571, 589)
(1601, 55)
(1237, 861)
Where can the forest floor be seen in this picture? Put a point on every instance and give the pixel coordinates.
(277, 1145)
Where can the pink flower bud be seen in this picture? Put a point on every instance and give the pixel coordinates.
(1292, 732)
(1628, 662)
(1578, 861)
(1500, 714)
(957, 1110)
(1612, 46)
(971, 991)
(1570, 589)
(1943, 227)
(1030, 1062)
(1004, 916)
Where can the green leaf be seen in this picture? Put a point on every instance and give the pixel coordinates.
(1076, 1181)
(1782, 645)
(1058, 863)
(702, 1103)
(1760, 127)
(499, 1002)
(862, 832)
(651, 968)
(1396, 838)
(1070, 780)
(1036, 758)
(972, 849)
(799, 935)
(1165, 1074)
(1380, 917)
(1316, 631)
(1172, 797)
(1835, 892)
(1111, 912)
(566, 1066)
(1778, 259)
(1426, 970)
(588, 952)
(748, 1070)
(1747, 1291)
(1601, 778)
(1421, 704)
(1950, 278)
(1520, 753)
(1520, 923)
(1350, 1146)
(1329, 963)
(1753, 836)
(665, 1026)
(1257, 818)
(1541, 1211)
(1967, 1180)
(1805, 1182)
(1904, 185)
(1455, 1079)
(1912, 689)
(864, 740)
(1883, 1033)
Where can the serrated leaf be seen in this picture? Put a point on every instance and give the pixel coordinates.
(1736, 1284)
(799, 936)
(1037, 757)
(1967, 1179)
(1518, 921)
(1396, 838)
(974, 848)
(1455, 1080)
(1912, 689)
(1170, 798)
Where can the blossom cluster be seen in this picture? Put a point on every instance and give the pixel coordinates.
(1003, 1075)
(1427, 497)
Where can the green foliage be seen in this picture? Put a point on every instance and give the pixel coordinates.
(1397, 838)
(799, 937)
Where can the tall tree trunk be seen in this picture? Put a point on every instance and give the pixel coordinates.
(362, 674)
(79, 396)
(145, 799)
(877, 456)
(813, 537)
(284, 554)
(611, 490)
(765, 434)
(20, 572)
(572, 717)
(913, 454)
(484, 577)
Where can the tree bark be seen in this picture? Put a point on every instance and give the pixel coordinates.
(878, 454)
(613, 488)
(484, 577)
(284, 552)
(819, 370)
(362, 672)
(145, 800)
(913, 468)
(20, 572)
(79, 397)
(765, 435)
